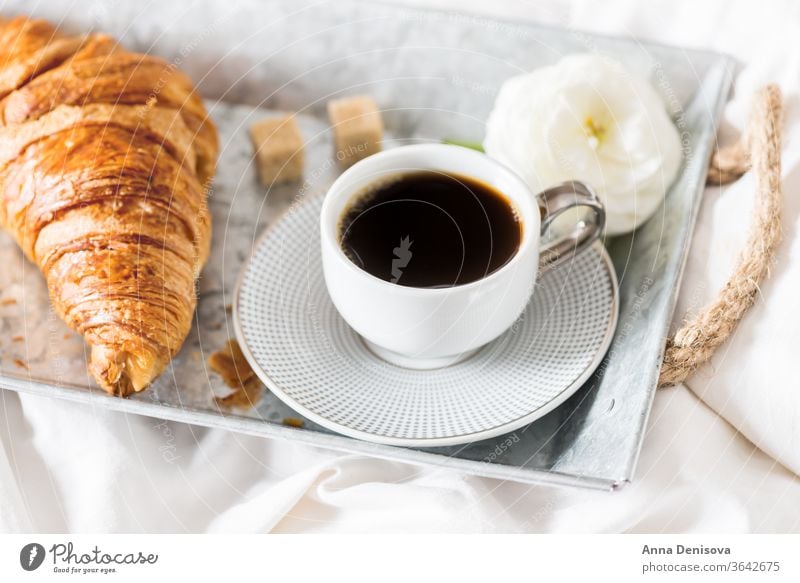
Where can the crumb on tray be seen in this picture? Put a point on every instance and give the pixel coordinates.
(231, 365)
(245, 397)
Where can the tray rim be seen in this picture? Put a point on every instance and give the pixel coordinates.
(716, 111)
(260, 428)
(257, 427)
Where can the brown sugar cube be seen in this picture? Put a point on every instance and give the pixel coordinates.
(357, 127)
(278, 145)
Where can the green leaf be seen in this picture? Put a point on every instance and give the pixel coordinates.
(464, 144)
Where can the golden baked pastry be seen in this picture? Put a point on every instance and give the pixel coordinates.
(105, 157)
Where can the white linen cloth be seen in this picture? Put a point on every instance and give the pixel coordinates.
(722, 453)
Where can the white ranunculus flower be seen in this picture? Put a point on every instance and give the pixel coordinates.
(588, 118)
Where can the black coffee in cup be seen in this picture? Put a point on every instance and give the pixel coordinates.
(430, 229)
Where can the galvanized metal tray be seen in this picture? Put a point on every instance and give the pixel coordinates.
(434, 74)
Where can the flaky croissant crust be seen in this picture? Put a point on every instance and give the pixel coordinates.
(105, 156)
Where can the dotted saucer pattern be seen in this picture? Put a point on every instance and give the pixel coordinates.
(301, 348)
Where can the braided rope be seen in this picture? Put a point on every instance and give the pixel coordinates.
(697, 340)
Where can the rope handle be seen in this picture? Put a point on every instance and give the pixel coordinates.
(760, 149)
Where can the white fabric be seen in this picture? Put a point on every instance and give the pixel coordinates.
(70, 467)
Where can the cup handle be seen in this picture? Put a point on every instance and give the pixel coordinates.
(556, 200)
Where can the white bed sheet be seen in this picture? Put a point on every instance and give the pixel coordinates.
(722, 453)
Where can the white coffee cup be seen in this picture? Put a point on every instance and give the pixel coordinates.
(432, 327)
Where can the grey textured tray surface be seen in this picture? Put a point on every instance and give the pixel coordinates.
(434, 75)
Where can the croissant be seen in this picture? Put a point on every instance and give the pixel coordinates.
(105, 157)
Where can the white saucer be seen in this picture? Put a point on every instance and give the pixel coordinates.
(306, 354)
